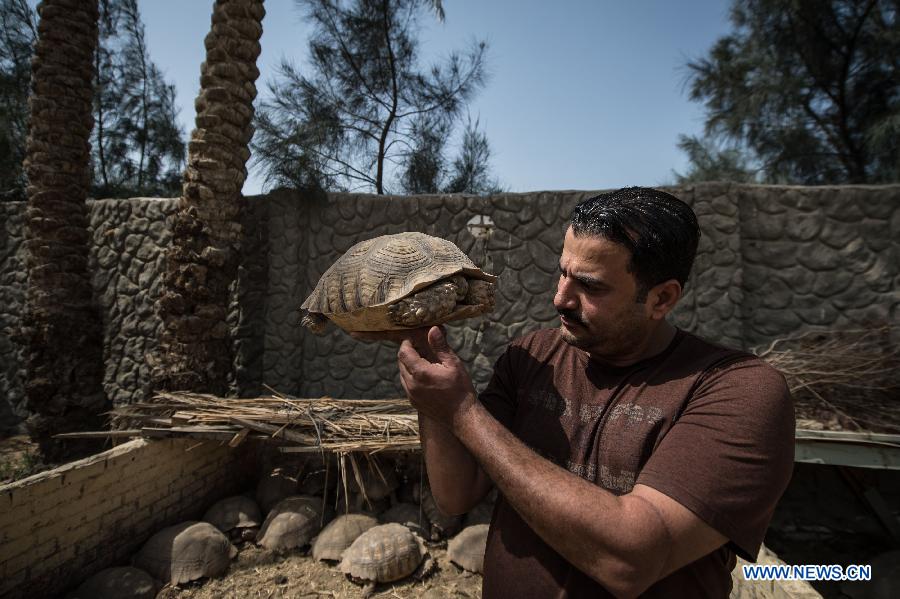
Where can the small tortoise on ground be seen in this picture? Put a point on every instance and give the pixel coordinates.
(396, 282)
(273, 486)
(186, 552)
(238, 517)
(466, 549)
(442, 525)
(293, 522)
(385, 553)
(340, 534)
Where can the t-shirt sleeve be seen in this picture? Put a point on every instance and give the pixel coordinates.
(729, 456)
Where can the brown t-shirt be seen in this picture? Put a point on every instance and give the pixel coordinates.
(710, 427)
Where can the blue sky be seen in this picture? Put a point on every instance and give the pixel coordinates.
(582, 95)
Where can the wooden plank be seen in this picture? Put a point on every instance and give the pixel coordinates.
(99, 434)
(276, 432)
(167, 433)
(239, 437)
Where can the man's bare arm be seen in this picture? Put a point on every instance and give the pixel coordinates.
(457, 481)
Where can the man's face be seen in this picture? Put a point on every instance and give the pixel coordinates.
(596, 298)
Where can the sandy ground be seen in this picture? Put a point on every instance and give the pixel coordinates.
(259, 573)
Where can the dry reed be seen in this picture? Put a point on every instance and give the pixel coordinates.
(841, 379)
(300, 425)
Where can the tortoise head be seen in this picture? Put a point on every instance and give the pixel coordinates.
(316, 323)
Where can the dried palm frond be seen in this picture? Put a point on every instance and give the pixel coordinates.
(841, 378)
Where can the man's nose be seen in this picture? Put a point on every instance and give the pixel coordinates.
(564, 299)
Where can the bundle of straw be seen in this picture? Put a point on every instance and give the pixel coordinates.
(322, 424)
(841, 378)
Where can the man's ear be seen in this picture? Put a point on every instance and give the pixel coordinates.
(662, 298)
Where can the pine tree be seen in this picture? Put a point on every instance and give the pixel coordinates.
(17, 36)
(358, 118)
(137, 147)
(809, 88)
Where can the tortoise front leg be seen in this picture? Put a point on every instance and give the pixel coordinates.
(427, 306)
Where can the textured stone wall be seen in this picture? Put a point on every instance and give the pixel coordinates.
(818, 257)
(60, 526)
(772, 261)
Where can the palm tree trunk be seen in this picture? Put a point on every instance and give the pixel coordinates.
(61, 328)
(201, 265)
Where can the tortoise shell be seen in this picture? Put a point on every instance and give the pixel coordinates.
(442, 525)
(383, 553)
(466, 549)
(356, 291)
(273, 486)
(186, 552)
(409, 515)
(233, 512)
(340, 534)
(293, 522)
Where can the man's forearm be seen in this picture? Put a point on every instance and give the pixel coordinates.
(457, 481)
(601, 534)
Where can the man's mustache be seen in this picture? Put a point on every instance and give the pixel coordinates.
(570, 315)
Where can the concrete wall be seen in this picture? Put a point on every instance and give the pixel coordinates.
(60, 526)
(772, 261)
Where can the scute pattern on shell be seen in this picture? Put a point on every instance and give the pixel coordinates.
(186, 552)
(340, 534)
(467, 548)
(383, 553)
(385, 269)
(293, 522)
(237, 511)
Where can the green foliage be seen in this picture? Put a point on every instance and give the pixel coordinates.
(16, 466)
(136, 146)
(710, 162)
(19, 30)
(426, 169)
(366, 113)
(809, 88)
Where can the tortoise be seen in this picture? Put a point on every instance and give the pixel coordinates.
(293, 522)
(238, 517)
(186, 552)
(396, 282)
(482, 513)
(466, 549)
(340, 534)
(442, 525)
(124, 582)
(385, 553)
(274, 486)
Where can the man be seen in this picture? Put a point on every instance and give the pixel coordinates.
(631, 458)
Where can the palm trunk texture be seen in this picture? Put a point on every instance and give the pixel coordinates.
(61, 332)
(195, 346)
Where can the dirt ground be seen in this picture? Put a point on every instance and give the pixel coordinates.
(18, 458)
(259, 573)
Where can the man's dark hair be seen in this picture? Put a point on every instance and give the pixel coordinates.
(660, 230)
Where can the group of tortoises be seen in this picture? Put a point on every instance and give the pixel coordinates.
(387, 542)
